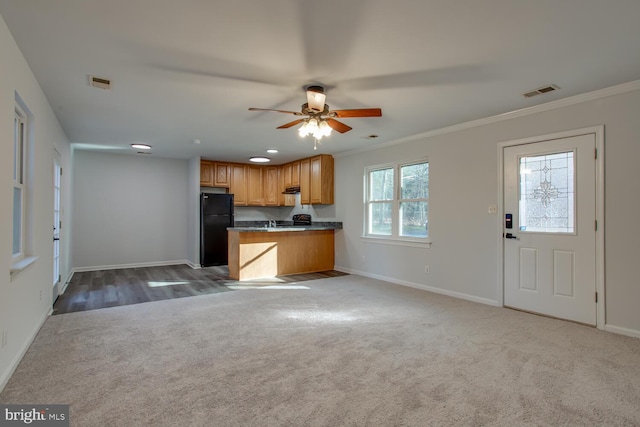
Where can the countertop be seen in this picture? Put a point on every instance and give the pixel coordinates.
(283, 226)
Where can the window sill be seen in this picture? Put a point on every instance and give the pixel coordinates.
(397, 242)
(18, 266)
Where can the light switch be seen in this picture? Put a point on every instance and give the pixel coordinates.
(492, 209)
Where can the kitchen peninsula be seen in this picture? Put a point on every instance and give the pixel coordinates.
(261, 251)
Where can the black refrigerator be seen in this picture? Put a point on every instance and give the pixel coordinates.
(216, 214)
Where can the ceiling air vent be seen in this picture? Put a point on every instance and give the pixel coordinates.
(99, 82)
(541, 90)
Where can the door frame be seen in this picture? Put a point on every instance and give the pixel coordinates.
(57, 286)
(598, 132)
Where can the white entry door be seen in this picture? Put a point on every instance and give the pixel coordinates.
(550, 249)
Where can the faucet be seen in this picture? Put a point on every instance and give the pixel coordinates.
(272, 223)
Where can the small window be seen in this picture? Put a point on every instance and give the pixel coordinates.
(19, 149)
(397, 201)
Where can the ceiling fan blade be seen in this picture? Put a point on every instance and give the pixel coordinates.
(288, 125)
(338, 126)
(359, 112)
(295, 113)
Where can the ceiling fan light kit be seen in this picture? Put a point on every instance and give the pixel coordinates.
(315, 127)
(321, 120)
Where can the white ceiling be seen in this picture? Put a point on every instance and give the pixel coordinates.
(190, 69)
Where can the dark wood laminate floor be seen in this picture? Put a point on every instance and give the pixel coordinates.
(110, 288)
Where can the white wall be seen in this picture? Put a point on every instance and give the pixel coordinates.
(464, 182)
(129, 210)
(25, 298)
(318, 213)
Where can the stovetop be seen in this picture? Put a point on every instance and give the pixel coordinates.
(302, 219)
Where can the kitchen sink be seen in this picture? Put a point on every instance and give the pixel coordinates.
(285, 229)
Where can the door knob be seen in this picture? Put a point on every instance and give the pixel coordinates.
(510, 236)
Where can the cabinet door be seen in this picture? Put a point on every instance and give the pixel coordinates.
(286, 175)
(321, 180)
(305, 190)
(316, 180)
(221, 175)
(238, 184)
(206, 174)
(271, 186)
(295, 173)
(254, 186)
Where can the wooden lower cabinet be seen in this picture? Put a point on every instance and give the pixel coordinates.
(254, 255)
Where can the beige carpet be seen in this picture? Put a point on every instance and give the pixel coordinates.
(348, 351)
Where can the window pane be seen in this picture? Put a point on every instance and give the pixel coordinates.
(415, 181)
(413, 219)
(381, 184)
(547, 193)
(17, 220)
(380, 218)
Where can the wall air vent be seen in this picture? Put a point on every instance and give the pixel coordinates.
(540, 91)
(100, 82)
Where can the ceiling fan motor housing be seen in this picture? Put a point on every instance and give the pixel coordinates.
(316, 98)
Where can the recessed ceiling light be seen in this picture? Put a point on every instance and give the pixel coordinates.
(272, 150)
(141, 146)
(260, 159)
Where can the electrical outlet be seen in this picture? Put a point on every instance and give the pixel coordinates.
(427, 269)
(492, 209)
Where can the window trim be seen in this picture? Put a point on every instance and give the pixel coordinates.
(395, 238)
(19, 178)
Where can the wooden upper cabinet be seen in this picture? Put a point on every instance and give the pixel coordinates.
(321, 180)
(305, 183)
(221, 175)
(271, 187)
(206, 173)
(214, 174)
(255, 189)
(285, 199)
(257, 185)
(238, 184)
(295, 173)
(286, 175)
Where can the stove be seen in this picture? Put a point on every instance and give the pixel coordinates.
(302, 219)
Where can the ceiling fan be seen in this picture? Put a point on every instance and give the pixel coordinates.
(320, 119)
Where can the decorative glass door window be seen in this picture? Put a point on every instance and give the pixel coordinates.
(547, 197)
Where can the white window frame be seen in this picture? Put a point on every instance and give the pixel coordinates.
(19, 177)
(394, 238)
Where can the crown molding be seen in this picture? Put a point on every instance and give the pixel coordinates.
(564, 102)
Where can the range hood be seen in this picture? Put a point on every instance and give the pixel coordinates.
(291, 190)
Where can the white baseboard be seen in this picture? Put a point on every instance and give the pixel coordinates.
(6, 375)
(622, 331)
(435, 290)
(134, 265)
(66, 283)
(193, 265)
